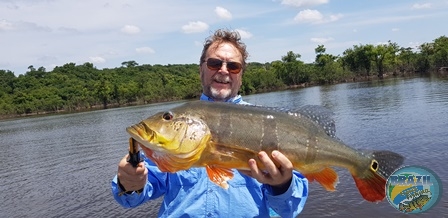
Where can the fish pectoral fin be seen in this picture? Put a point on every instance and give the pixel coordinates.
(327, 177)
(232, 152)
(219, 176)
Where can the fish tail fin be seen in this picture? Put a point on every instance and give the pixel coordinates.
(372, 189)
(371, 182)
(327, 177)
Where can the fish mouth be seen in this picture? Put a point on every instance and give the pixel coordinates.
(150, 139)
(143, 134)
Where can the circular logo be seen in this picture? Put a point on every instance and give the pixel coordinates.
(413, 189)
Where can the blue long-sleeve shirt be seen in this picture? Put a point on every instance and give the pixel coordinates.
(190, 193)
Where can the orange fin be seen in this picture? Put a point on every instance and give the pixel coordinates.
(219, 176)
(371, 183)
(327, 177)
(166, 162)
(372, 188)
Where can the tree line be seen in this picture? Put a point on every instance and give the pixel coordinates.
(74, 87)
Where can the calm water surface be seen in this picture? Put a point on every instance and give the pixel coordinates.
(62, 165)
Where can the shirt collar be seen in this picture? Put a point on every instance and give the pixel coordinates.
(236, 100)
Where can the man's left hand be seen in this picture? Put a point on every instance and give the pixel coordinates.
(278, 177)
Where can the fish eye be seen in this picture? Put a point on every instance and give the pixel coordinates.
(374, 165)
(167, 115)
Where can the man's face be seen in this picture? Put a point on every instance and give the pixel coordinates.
(221, 84)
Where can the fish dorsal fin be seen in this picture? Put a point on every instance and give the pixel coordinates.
(219, 176)
(321, 116)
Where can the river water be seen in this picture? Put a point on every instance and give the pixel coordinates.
(62, 165)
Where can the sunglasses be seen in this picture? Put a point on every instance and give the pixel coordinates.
(216, 64)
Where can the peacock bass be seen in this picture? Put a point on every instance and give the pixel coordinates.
(223, 136)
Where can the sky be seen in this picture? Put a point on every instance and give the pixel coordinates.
(49, 33)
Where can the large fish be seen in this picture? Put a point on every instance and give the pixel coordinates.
(223, 136)
(418, 202)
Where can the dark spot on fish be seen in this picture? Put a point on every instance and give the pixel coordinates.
(167, 116)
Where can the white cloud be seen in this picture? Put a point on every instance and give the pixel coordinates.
(322, 40)
(395, 29)
(315, 17)
(145, 50)
(5, 25)
(223, 13)
(304, 3)
(414, 45)
(22, 26)
(244, 34)
(334, 18)
(308, 16)
(195, 27)
(97, 60)
(421, 6)
(130, 29)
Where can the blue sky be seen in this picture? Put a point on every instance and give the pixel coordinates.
(106, 33)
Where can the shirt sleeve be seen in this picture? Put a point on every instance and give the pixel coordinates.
(290, 203)
(154, 188)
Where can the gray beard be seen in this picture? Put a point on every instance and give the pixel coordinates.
(220, 94)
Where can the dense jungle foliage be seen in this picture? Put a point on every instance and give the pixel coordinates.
(74, 87)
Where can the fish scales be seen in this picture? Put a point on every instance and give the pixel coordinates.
(257, 129)
(262, 128)
(222, 136)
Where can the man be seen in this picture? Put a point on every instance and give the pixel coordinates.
(190, 193)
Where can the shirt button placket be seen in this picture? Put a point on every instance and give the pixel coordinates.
(211, 200)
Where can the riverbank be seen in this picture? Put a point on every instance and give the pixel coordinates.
(116, 105)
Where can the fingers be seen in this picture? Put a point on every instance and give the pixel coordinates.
(271, 168)
(271, 174)
(132, 178)
(285, 163)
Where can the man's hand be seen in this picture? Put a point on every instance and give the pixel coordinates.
(132, 178)
(278, 177)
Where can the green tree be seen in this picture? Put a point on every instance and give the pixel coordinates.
(406, 60)
(290, 70)
(440, 56)
(328, 69)
(103, 89)
(260, 78)
(129, 64)
(7, 80)
(383, 54)
(358, 59)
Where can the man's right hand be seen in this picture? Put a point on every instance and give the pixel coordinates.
(132, 178)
